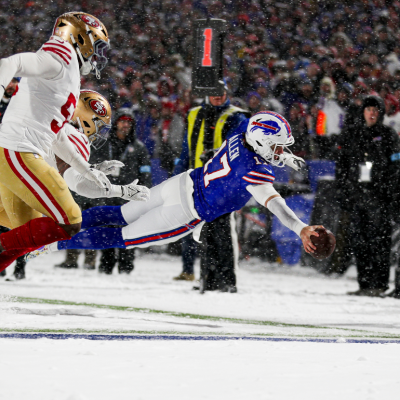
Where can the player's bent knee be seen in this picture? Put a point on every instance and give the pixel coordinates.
(72, 229)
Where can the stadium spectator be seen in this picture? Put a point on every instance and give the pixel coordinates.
(147, 124)
(392, 116)
(330, 119)
(254, 102)
(169, 136)
(268, 102)
(367, 173)
(298, 122)
(124, 146)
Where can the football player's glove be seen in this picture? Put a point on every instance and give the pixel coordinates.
(98, 177)
(135, 192)
(292, 161)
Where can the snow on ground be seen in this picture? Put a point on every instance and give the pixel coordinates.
(273, 302)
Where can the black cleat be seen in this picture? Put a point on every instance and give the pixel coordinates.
(66, 265)
(368, 292)
(395, 294)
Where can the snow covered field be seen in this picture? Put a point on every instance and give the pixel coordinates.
(267, 323)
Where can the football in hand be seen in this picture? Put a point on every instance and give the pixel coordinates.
(325, 243)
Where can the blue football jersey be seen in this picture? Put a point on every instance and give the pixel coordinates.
(220, 186)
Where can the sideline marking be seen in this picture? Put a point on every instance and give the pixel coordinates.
(59, 336)
(193, 316)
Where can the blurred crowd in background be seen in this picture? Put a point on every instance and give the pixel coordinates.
(312, 61)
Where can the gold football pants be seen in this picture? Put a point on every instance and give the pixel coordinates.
(30, 188)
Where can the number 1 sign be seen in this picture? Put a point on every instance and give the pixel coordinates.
(207, 61)
(208, 66)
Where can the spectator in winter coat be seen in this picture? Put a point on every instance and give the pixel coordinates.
(367, 172)
(124, 146)
(392, 117)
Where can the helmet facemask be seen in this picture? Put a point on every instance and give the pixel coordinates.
(89, 38)
(266, 149)
(99, 138)
(93, 117)
(98, 60)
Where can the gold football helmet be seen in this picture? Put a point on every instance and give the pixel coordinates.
(93, 117)
(88, 36)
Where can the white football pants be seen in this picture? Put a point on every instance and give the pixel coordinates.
(168, 216)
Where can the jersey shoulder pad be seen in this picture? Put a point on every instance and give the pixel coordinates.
(79, 140)
(59, 49)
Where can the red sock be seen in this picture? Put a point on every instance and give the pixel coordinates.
(35, 233)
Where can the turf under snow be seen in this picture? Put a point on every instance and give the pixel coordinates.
(274, 302)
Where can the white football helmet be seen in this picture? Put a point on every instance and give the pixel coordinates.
(266, 131)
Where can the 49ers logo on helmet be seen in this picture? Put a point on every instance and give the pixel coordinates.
(98, 108)
(90, 21)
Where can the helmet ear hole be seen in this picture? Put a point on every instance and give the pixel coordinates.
(61, 24)
(258, 143)
(81, 40)
(86, 124)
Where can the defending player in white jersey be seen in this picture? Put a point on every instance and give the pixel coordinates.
(88, 128)
(241, 168)
(45, 102)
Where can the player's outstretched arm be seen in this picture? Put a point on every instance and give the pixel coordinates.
(65, 150)
(267, 196)
(86, 188)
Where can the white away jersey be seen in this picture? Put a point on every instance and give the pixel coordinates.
(41, 107)
(78, 139)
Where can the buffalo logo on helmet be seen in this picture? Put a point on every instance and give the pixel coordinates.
(98, 108)
(90, 21)
(268, 127)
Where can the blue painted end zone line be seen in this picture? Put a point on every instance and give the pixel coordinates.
(63, 336)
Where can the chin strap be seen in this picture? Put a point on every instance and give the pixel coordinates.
(78, 120)
(81, 59)
(94, 63)
(87, 66)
